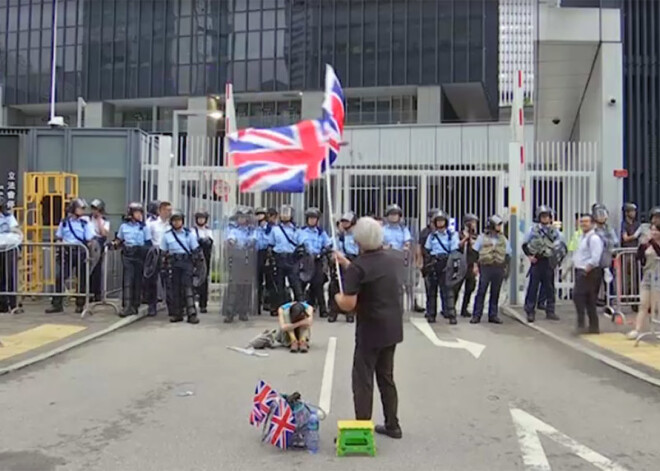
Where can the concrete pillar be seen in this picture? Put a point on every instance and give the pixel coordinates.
(99, 114)
(13, 117)
(311, 105)
(429, 103)
(201, 125)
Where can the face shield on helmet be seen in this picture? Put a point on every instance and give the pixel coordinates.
(78, 206)
(470, 220)
(544, 214)
(312, 216)
(600, 213)
(495, 223)
(135, 211)
(347, 220)
(201, 217)
(393, 213)
(440, 220)
(98, 205)
(177, 219)
(286, 213)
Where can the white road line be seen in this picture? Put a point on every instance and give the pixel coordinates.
(475, 349)
(528, 429)
(328, 372)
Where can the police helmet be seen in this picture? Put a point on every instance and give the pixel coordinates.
(153, 207)
(441, 215)
(432, 212)
(176, 214)
(655, 211)
(133, 207)
(470, 217)
(77, 203)
(627, 207)
(349, 216)
(599, 211)
(260, 210)
(286, 211)
(494, 221)
(202, 213)
(393, 209)
(313, 213)
(98, 204)
(544, 209)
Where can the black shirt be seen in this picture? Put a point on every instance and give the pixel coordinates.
(377, 277)
(629, 229)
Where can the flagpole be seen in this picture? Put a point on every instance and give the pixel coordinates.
(333, 229)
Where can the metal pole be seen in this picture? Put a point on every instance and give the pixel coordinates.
(330, 210)
(53, 63)
(176, 187)
(81, 106)
(2, 107)
(513, 263)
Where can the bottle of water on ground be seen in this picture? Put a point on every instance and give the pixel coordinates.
(312, 436)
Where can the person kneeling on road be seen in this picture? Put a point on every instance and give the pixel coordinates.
(295, 326)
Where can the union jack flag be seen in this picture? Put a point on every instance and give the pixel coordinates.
(282, 424)
(278, 159)
(264, 396)
(333, 112)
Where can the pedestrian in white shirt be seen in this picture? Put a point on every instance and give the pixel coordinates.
(586, 260)
(157, 228)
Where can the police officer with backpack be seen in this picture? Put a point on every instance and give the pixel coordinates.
(76, 232)
(441, 244)
(178, 247)
(134, 238)
(317, 245)
(540, 245)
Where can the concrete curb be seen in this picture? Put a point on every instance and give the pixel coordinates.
(511, 313)
(68, 346)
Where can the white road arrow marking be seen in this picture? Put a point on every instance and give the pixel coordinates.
(474, 348)
(528, 429)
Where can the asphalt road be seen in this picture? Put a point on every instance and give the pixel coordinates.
(115, 404)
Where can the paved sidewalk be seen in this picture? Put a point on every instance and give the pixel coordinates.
(33, 335)
(610, 346)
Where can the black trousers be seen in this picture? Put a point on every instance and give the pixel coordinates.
(585, 296)
(316, 296)
(435, 283)
(366, 363)
(470, 283)
(265, 281)
(70, 262)
(541, 273)
(490, 276)
(203, 289)
(180, 292)
(96, 277)
(133, 273)
(287, 268)
(8, 277)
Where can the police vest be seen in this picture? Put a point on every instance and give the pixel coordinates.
(493, 252)
(542, 242)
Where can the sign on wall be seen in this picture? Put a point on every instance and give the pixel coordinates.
(9, 170)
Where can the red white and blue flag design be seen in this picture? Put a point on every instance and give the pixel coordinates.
(278, 159)
(282, 424)
(333, 113)
(264, 397)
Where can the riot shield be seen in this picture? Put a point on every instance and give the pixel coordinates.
(411, 273)
(200, 273)
(456, 268)
(95, 252)
(151, 263)
(239, 277)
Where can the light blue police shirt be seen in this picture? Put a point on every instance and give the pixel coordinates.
(134, 234)
(314, 239)
(494, 239)
(74, 231)
(347, 246)
(7, 223)
(278, 240)
(396, 236)
(262, 236)
(187, 238)
(241, 236)
(448, 242)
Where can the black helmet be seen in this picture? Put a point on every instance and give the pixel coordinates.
(543, 209)
(655, 211)
(176, 214)
(202, 214)
(272, 212)
(98, 204)
(494, 221)
(243, 211)
(393, 209)
(629, 207)
(431, 213)
(260, 210)
(441, 215)
(349, 216)
(469, 217)
(153, 207)
(286, 211)
(313, 213)
(77, 203)
(133, 207)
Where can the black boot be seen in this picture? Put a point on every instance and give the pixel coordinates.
(193, 319)
(430, 319)
(332, 317)
(176, 318)
(475, 320)
(54, 308)
(495, 320)
(465, 313)
(228, 320)
(350, 318)
(531, 317)
(552, 317)
(452, 320)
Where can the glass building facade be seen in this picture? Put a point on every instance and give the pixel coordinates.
(126, 49)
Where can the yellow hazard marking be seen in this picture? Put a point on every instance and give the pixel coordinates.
(27, 340)
(646, 353)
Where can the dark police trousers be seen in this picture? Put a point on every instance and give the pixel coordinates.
(436, 281)
(96, 277)
(470, 282)
(180, 292)
(490, 276)
(540, 273)
(203, 289)
(287, 267)
(366, 363)
(8, 277)
(333, 287)
(265, 281)
(133, 260)
(316, 295)
(70, 261)
(585, 296)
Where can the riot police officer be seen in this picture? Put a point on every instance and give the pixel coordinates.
(101, 227)
(423, 257)
(135, 239)
(205, 241)
(12, 236)
(396, 236)
(539, 246)
(468, 237)
(346, 245)
(494, 254)
(76, 232)
(440, 244)
(178, 247)
(152, 210)
(241, 261)
(317, 245)
(262, 230)
(283, 239)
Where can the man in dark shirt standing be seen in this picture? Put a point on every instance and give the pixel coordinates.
(373, 289)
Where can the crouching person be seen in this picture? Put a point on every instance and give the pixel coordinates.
(494, 254)
(295, 326)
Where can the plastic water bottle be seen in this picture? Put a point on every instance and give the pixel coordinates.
(312, 435)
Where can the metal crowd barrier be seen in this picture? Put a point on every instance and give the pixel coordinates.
(111, 282)
(624, 290)
(42, 269)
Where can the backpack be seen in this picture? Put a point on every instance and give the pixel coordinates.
(606, 256)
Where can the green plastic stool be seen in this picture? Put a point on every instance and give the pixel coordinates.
(355, 437)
